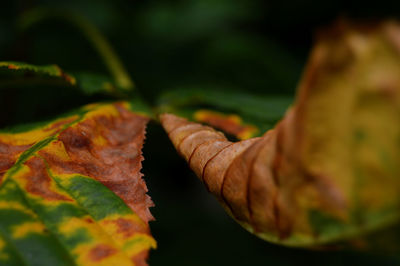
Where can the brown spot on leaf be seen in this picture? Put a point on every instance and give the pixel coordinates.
(128, 228)
(76, 139)
(9, 155)
(5, 163)
(39, 182)
(101, 252)
(89, 220)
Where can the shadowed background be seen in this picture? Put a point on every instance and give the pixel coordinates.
(257, 46)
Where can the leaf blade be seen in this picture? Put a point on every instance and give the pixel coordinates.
(23, 74)
(75, 183)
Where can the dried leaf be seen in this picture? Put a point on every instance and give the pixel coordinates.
(71, 192)
(330, 169)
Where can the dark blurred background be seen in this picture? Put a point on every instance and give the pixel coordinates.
(253, 45)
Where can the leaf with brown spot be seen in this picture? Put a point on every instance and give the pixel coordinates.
(231, 124)
(329, 169)
(72, 189)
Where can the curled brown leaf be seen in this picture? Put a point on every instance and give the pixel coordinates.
(329, 169)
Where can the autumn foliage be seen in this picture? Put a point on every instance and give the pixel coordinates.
(329, 169)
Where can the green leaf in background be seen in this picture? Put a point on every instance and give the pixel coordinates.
(17, 71)
(19, 74)
(71, 191)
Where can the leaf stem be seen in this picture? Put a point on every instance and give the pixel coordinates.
(93, 35)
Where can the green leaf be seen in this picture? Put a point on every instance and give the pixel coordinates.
(19, 70)
(71, 191)
(19, 74)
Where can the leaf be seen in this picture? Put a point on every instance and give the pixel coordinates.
(93, 83)
(23, 74)
(231, 123)
(237, 113)
(71, 191)
(19, 70)
(330, 169)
